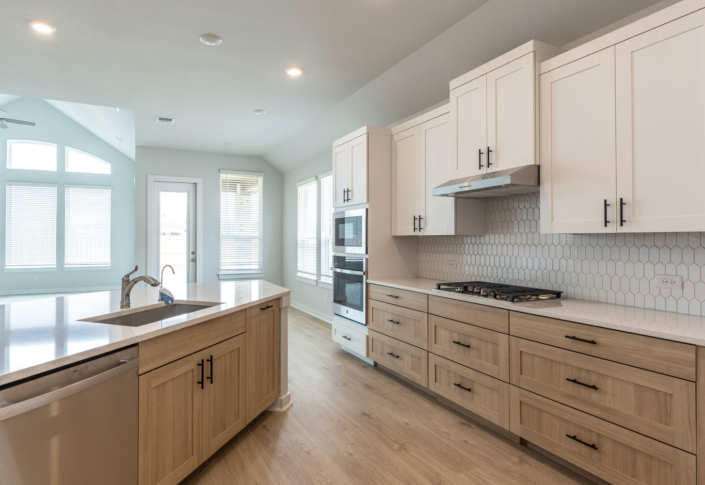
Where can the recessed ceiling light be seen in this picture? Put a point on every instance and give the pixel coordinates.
(260, 112)
(211, 39)
(294, 71)
(116, 108)
(41, 26)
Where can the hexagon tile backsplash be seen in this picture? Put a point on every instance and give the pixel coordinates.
(613, 268)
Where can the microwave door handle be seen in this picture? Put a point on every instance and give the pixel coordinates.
(348, 271)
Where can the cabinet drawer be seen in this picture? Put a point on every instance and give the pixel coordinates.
(401, 323)
(260, 308)
(475, 347)
(479, 315)
(662, 356)
(480, 394)
(350, 338)
(656, 405)
(407, 299)
(620, 456)
(407, 360)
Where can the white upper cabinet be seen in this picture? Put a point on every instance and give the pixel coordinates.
(468, 129)
(341, 174)
(437, 213)
(406, 171)
(350, 172)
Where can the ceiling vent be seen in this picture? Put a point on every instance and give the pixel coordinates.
(160, 120)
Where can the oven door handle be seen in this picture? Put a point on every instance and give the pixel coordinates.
(348, 271)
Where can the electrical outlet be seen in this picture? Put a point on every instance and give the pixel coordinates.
(669, 282)
(451, 263)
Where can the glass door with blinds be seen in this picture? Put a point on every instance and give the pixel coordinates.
(176, 231)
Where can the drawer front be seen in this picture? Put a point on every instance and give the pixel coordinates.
(472, 313)
(475, 347)
(656, 405)
(349, 338)
(408, 299)
(409, 361)
(479, 394)
(620, 456)
(409, 326)
(261, 308)
(662, 356)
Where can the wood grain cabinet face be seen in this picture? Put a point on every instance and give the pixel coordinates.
(655, 405)
(170, 425)
(405, 298)
(262, 357)
(613, 453)
(407, 325)
(478, 315)
(407, 360)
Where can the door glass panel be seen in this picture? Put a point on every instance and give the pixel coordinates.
(348, 232)
(173, 234)
(349, 290)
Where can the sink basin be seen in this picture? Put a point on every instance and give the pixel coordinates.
(151, 314)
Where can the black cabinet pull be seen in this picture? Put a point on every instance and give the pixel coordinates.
(606, 206)
(575, 438)
(461, 386)
(210, 360)
(414, 223)
(573, 337)
(489, 162)
(621, 211)
(575, 381)
(395, 356)
(200, 364)
(392, 296)
(479, 158)
(461, 344)
(420, 219)
(394, 322)
(346, 337)
(266, 308)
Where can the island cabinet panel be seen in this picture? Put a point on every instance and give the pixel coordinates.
(262, 357)
(478, 315)
(224, 397)
(401, 323)
(170, 421)
(475, 347)
(480, 394)
(408, 299)
(613, 453)
(407, 360)
(662, 356)
(655, 405)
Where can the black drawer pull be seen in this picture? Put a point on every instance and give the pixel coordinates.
(202, 366)
(575, 381)
(575, 438)
(267, 307)
(621, 212)
(461, 344)
(463, 388)
(392, 296)
(393, 321)
(573, 337)
(395, 356)
(210, 360)
(346, 337)
(605, 208)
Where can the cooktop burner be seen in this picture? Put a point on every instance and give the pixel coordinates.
(498, 291)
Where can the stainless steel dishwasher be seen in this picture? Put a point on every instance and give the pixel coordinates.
(75, 426)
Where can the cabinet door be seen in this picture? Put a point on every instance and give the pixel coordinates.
(438, 212)
(358, 171)
(468, 129)
(660, 126)
(224, 396)
(511, 115)
(262, 357)
(341, 174)
(170, 425)
(405, 183)
(578, 160)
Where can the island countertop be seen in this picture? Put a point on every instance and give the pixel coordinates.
(44, 334)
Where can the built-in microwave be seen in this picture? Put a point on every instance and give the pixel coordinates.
(350, 287)
(350, 231)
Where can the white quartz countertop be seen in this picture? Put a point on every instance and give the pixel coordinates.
(44, 334)
(654, 323)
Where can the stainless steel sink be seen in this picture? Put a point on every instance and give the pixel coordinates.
(137, 317)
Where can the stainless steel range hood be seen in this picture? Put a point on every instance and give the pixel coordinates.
(520, 180)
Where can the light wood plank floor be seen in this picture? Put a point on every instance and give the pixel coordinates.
(352, 423)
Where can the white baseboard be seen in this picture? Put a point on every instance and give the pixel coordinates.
(58, 290)
(312, 312)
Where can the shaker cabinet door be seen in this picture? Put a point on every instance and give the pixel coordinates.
(341, 174)
(468, 129)
(405, 183)
(358, 171)
(438, 212)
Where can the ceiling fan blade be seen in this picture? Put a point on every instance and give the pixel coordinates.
(18, 122)
(3, 126)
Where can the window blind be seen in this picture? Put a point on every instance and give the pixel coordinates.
(241, 222)
(78, 161)
(87, 220)
(30, 226)
(31, 155)
(326, 228)
(306, 248)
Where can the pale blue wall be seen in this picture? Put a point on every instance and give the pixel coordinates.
(54, 127)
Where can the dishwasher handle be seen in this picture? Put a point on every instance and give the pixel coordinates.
(22, 407)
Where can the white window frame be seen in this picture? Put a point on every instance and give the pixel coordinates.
(89, 268)
(34, 142)
(321, 283)
(67, 149)
(240, 274)
(304, 279)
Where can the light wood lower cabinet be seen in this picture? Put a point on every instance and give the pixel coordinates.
(613, 453)
(483, 395)
(407, 299)
(262, 357)
(472, 313)
(407, 325)
(407, 360)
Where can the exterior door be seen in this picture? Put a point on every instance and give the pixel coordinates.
(468, 129)
(438, 212)
(262, 357)
(511, 94)
(358, 171)
(176, 231)
(578, 159)
(660, 127)
(224, 397)
(405, 183)
(341, 174)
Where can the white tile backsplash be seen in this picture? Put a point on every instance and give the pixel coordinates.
(613, 268)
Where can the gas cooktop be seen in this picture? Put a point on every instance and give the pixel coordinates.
(498, 291)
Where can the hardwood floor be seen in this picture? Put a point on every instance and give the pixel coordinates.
(352, 423)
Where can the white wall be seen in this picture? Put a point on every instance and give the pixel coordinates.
(159, 161)
(54, 127)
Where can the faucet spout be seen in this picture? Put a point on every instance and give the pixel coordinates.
(128, 284)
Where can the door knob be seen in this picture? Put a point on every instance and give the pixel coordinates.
(193, 260)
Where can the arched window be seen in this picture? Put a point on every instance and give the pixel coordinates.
(78, 161)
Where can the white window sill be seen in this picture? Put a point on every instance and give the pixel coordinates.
(304, 279)
(325, 284)
(30, 270)
(240, 276)
(87, 268)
